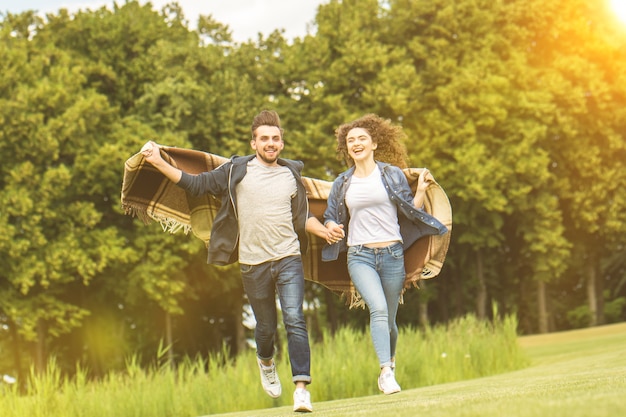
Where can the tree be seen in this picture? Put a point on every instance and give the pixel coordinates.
(54, 236)
(580, 63)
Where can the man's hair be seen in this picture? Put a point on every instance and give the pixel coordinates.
(389, 140)
(266, 118)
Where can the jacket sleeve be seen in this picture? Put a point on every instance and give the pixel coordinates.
(214, 182)
(401, 186)
(331, 213)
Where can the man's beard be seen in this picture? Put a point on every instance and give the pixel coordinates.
(267, 160)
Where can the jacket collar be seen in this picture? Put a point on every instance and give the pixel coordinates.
(350, 171)
(242, 160)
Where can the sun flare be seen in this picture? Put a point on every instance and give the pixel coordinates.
(619, 8)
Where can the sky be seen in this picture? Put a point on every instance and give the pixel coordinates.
(245, 18)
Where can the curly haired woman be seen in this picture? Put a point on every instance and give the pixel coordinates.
(380, 217)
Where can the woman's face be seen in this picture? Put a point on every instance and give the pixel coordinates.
(360, 145)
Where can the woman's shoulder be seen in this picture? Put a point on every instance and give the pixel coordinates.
(346, 174)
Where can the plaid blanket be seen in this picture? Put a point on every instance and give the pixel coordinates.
(148, 195)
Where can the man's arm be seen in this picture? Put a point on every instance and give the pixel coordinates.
(330, 234)
(152, 153)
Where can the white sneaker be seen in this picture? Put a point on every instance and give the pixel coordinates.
(302, 401)
(269, 379)
(387, 383)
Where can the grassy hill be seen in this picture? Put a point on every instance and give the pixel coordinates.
(579, 373)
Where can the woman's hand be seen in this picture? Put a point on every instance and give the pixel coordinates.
(424, 180)
(334, 232)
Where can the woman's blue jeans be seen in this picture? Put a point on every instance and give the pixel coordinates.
(261, 283)
(378, 275)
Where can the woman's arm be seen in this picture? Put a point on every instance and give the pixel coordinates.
(423, 182)
(335, 230)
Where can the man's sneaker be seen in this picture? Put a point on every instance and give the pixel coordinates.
(269, 379)
(302, 401)
(387, 383)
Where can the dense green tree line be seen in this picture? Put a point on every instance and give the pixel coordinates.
(517, 107)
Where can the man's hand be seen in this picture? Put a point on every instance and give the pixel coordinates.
(334, 232)
(152, 153)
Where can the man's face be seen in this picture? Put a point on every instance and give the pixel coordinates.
(267, 143)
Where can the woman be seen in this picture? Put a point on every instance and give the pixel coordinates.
(373, 204)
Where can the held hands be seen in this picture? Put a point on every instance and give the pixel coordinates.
(334, 233)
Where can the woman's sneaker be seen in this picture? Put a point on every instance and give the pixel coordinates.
(387, 383)
(302, 401)
(269, 379)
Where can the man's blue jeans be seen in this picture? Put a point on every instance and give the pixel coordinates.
(261, 282)
(378, 275)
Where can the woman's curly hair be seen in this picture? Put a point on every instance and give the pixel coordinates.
(388, 137)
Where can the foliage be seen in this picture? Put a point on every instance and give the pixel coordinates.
(517, 107)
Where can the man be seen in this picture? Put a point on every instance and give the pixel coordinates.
(262, 223)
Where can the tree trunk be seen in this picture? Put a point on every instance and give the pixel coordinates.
(592, 297)
(17, 355)
(459, 304)
(423, 306)
(240, 330)
(331, 311)
(542, 307)
(601, 319)
(600, 287)
(40, 347)
(313, 324)
(481, 297)
(169, 339)
(423, 315)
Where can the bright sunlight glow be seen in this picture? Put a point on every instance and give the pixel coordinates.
(619, 8)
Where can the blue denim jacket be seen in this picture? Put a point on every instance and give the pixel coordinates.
(414, 222)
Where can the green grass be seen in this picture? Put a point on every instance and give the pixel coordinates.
(343, 366)
(576, 373)
(468, 368)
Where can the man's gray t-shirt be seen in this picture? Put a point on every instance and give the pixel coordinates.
(266, 230)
